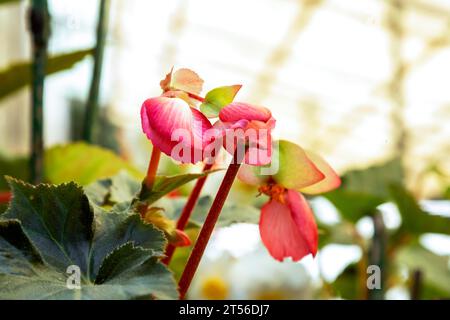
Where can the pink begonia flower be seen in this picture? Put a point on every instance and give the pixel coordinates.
(287, 225)
(249, 125)
(175, 128)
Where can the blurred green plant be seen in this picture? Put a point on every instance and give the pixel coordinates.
(91, 109)
(361, 193)
(435, 270)
(363, 190)
(8, 1)
(18, 75)
(106, 133)
(447, 193)
(39, 27)
(78, 162)
(84, 163)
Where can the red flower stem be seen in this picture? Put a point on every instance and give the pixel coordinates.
(186, 214)
(187, 211)
(152, 167)
(196, 97)
(208, 227)
(151, 175)
(5, 197)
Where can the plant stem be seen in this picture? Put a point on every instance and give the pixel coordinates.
(377, 255)
(416, 285)
(208, 226)
(152, 168)
(92, 103)
(187, 211)
(39, 18)
(150, 177)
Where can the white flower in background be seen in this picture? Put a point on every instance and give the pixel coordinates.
(212, 280)
(251, 276)
(258, 276)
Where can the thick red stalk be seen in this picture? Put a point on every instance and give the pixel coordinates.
(187, 211)
(151, 175)
(208, 227)
(152, 167)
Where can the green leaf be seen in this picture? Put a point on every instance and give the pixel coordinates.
(126, 270)
(18, 254)
(164, 185)
(19, 75)
(435, 268)
(83, 164)
(218, 98)
(346, 284)
(48, 228)
(414, 219)
(120, 188)
(79, 162)
(122, 260)
(353, 205)
(363, 190)
(113, 229)
(58, 221)
(374, 180)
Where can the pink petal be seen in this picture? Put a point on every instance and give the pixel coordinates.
(200, 124)
(163, 117)
(331, 180)
(240, 124)
(254, 133)
(243, 111)
(257, 153)
(288, 230)
(160, 117)
(304, 218)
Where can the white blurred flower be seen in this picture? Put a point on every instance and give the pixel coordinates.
(255, 275)
(258, 276)
(212, 280)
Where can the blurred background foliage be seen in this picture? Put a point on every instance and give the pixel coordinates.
(364, 83)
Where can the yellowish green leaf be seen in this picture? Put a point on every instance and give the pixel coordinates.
(218, 98)
(84, 163)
